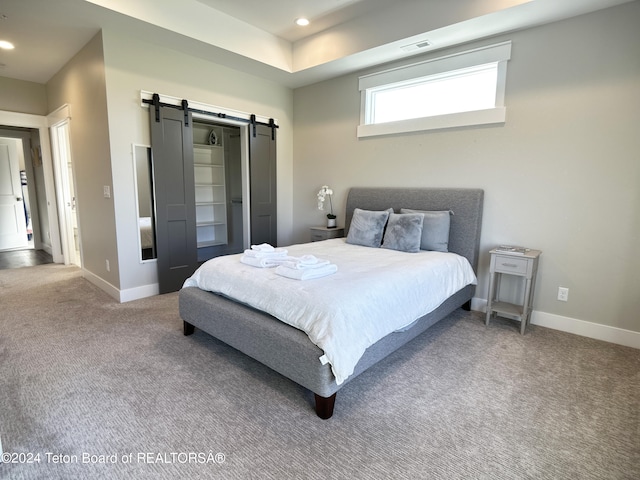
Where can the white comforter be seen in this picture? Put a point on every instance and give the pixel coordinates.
(375, 292)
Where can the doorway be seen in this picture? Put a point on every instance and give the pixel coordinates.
(14, 211)
(34, 132)
(24, 211)
(218, 189)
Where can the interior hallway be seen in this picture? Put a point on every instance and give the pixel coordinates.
(23, 258)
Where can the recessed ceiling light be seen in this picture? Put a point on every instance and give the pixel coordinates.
(6, 45)
(302, 22)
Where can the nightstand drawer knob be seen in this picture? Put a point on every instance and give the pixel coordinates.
(511, 265)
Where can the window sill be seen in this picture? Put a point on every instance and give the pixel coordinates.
(464, 119)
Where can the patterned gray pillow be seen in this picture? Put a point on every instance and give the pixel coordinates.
(435, 229)
(404, 232)
(367, 227)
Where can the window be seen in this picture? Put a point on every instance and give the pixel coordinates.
(458, 90)
(452, 92)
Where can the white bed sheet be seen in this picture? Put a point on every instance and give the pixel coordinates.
(375, 292)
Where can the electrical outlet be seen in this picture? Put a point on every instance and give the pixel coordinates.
(563, 294)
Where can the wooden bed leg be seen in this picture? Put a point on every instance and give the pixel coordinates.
(187, 328)
(324, 406)
(467, 306)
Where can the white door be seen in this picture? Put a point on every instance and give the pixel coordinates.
(13, 226)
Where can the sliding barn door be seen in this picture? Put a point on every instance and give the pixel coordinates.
(262, 165)
(173, 178)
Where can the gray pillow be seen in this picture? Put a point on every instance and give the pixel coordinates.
(367, 227)
(404, 232)
(435, 229)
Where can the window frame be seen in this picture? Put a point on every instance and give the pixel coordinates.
(498, 54)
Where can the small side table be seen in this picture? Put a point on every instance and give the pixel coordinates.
(519, 264)
(325, 233)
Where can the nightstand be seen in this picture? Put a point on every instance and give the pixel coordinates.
(325, 233)
(510, 263)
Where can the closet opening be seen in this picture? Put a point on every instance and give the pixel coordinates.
(219, 193)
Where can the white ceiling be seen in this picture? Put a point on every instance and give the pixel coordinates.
(278, 17)
(260, 37)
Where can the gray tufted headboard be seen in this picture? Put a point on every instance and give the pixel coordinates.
(466, 204)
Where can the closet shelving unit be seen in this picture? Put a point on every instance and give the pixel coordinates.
(211, 196)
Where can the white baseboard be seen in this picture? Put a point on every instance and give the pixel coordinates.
(47, 248)
(606, 333)
(478, 304)
(139, 292)
(628, 338)
(101, 284)
(122, 296)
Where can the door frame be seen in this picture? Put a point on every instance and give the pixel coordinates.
(39, 122)
(65, 185)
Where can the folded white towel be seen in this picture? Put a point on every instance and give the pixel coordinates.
(263, 262)
(275, 253)
(263, 247)
(298, 265)
(308, 259)
(306, 273)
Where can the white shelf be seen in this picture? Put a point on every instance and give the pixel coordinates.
(507, 308)
(210, 244)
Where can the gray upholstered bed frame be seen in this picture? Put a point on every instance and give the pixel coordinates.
(288, 350)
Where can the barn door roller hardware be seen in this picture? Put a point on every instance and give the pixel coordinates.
(184, 105)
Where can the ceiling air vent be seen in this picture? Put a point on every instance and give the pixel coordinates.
(416, 46)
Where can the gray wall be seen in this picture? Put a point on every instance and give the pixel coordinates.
(81, 85)
(562, 175)
(22, 96)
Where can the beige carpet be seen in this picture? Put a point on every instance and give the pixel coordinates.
(116, 391)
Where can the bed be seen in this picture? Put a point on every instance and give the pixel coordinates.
(289, 350)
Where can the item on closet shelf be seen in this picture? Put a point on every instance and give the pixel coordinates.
(213, 138)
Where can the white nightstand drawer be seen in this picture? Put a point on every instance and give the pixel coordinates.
(511, 264)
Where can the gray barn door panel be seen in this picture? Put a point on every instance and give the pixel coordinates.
(262, 166)
(172, 151)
